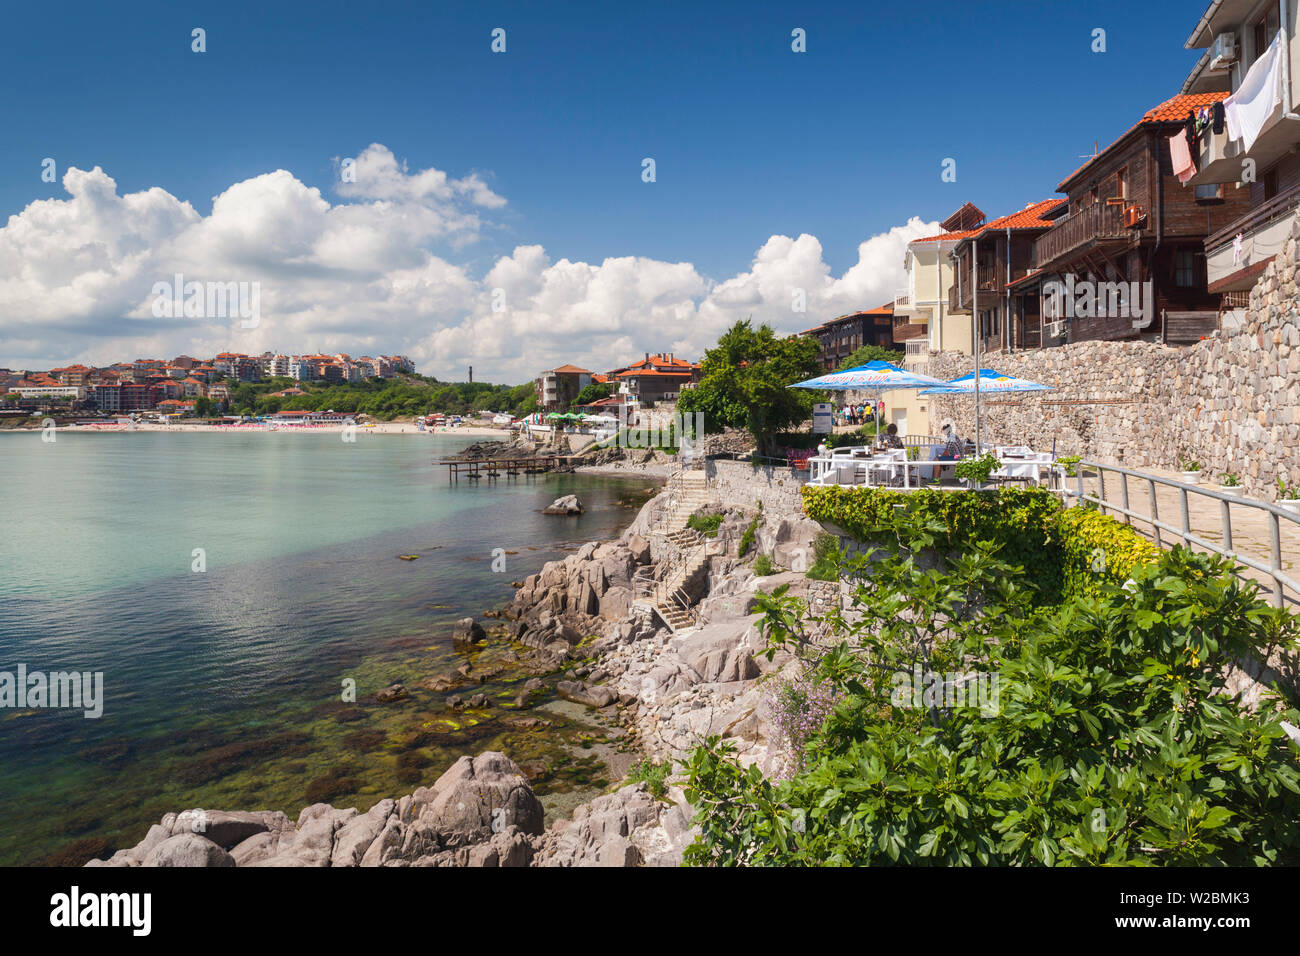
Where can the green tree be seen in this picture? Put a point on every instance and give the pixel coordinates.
(745, 383)
(872, 353)
(594, 393)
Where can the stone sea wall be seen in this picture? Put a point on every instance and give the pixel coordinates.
(1232, 401)
(738, 484)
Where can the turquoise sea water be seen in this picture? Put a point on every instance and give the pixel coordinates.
(222, 687)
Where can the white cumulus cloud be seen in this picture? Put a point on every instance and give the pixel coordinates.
(357, 274)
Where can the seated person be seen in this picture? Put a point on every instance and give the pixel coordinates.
(952, 444)
(891, 439)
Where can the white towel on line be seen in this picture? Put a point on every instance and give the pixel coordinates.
(1260, 93)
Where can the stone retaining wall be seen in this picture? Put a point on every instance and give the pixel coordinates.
(1232, 401)
(739, 484)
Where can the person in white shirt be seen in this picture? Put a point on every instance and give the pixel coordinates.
(952, 443)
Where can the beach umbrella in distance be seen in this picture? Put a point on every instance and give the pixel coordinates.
(874, 377)
(990, 382)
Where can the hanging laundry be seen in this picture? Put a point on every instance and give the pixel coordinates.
(1184, 168)
(1236, 250)
(1218, 118)
(1260, 93)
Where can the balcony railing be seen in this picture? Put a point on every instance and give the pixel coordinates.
(902, 300)
(1281, 205)
(1097, 223)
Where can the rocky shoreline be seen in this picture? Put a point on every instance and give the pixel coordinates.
(666, 690)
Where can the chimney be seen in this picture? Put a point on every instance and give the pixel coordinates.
(647, 358)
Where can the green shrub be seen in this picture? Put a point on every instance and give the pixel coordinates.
(747, 539)
(826, 554)
(706, 525)
(977, 470)
(1015, 520)
(763, 566)
(1111, 736)
(1096, 548)
(655, 775)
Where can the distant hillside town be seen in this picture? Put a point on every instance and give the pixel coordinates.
(178, 385)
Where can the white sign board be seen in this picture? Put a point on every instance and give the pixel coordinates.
(823, 418)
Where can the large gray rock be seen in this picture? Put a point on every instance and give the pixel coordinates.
(355, 837)
(467, 631)
(476, 797)
(565, 505)
(588, 696)
(627, 828)
(721, 652)
(188, 849)
(226, 828)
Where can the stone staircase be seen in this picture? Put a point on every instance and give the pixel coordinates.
(673, 612)
(688, 492)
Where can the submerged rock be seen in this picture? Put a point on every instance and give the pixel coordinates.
(468, 631)
(588, 696)
(566, 505)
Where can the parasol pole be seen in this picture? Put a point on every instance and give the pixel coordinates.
(975, 326)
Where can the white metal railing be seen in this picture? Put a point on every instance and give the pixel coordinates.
(1285, 588)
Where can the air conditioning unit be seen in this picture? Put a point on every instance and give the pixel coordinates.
(1133, 216)
(1224, 53)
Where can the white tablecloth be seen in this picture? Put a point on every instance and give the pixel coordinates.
(1030, 467)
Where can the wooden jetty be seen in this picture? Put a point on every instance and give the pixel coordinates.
(493, 468)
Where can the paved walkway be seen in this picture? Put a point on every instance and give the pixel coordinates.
(1251, 527)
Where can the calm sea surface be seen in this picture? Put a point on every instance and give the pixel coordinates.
(222, 688)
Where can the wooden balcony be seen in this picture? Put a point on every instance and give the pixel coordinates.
(987, 276)
(1086, 228)
(904, 330)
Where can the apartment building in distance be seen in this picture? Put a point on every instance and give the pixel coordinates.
(841, 337)
(558, 387)
(654, 379)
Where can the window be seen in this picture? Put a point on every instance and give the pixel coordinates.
(1186, 269)
(1265, 29)
(1210, 194)
(1122, 183)
(1270, 184)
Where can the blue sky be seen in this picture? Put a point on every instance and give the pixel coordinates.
(750, 139)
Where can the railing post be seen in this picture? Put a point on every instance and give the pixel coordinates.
(1123, 493)
(1187, 519)
(1275, 556)
(1101, 489)
(1155, 512)
(1226, 511)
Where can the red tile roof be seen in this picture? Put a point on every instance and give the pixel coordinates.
(1173, 110)
(948, 236)
(1031, 217)
(571, 370)
(644, 372)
